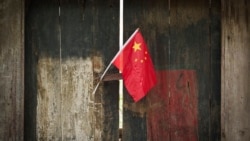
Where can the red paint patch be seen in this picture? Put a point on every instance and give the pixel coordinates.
(172, 114)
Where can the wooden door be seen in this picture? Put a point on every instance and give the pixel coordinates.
(68, 44)
(184, 40)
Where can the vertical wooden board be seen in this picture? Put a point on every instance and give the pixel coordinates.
(183, 41)
(78, 103)
(183, 105)
(63, 63)
(172, 107)
(88, 37)
(137, 130)
(42, 72)
(158, 114)
(48, 115)
(77, 74)
(134, 119)
(105, 29)
(11, 69)
(76, 20)
(235, 71)
(110, 120)
(215, 39)
(152, 19)
(105, 44)
(190, 49)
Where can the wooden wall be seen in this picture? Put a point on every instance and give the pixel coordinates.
(235, 102)
(68, 43)
(57, 65)
(184, 39)
(11, 69)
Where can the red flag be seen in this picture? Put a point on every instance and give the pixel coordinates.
(136, 66)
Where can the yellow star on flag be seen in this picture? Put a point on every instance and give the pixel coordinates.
(137, 46)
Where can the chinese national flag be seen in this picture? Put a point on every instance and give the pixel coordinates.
(136, 67)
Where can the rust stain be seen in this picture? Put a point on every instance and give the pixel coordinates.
(97, 63)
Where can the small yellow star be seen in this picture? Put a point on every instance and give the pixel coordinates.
(137, 46)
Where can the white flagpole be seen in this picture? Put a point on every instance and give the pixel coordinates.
(114, 60)
(121, 81)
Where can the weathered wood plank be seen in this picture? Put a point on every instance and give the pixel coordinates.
(152, 19)
(43, 115)
(64, 73)
(172, 108)
(105, 44)
(190, 49)
(65, 56)
(235, 70)
(83, 112)
(11, 69)
(100, 35)
(215, 90)
(181, 40)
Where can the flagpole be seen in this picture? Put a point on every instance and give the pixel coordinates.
(120, 81)
(101, 78)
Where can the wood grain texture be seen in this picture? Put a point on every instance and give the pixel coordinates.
(172, 111)
(88, 33)
(235, 70)
(152, 17)
(65, 56)
(42, 72)
(11, 69)
(215, 89)
(180, 35)
(190, 49)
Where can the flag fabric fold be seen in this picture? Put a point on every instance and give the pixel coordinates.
(135, 64)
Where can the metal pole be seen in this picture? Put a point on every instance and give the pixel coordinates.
(121, 81)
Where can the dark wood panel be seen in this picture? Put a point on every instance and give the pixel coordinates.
(172, 107)
(152, 17)
(89, 39)
(190, 49)
(68, 45)
(69, 51)
(106, 42)
(78, 104)
(186, 39)
(42, 71)
(135, 127)
(110, 122)
(215, 99)
(11, 69)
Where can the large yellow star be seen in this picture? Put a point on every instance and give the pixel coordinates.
(137, 46)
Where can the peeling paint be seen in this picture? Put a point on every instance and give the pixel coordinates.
(66, 109)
